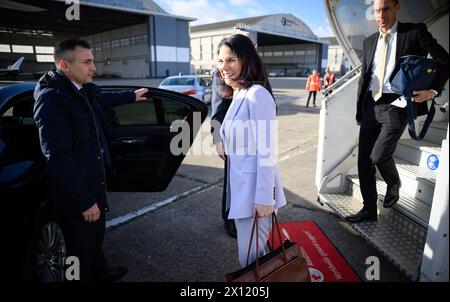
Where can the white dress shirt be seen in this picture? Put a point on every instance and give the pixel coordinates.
(390, 59)
(78, 86)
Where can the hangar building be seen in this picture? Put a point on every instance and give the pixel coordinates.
(285, 43)
(130, 38)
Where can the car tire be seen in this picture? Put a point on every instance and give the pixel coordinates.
(46, 251)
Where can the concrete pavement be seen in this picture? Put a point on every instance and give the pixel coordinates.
(183, 239)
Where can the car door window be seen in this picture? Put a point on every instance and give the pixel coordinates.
(174, 111)
(153, 111)
(141, 139)
(142, 113)
(18, 131)
(17, 124)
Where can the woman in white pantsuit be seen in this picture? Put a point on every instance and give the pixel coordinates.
(249, 135)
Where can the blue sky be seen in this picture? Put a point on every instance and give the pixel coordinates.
(312, 12)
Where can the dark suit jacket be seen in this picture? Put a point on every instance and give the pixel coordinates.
(69, 140)
(219, 106)
(412, 39)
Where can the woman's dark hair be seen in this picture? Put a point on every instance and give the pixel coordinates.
(253, 70)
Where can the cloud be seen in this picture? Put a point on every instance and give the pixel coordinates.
(203, 10)
(323, 30)
(244, 2)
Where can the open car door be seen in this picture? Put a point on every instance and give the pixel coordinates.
(141, 138)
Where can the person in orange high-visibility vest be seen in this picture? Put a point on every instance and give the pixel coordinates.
(328, 80)
(313, 85)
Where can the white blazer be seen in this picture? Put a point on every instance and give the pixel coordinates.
(250, 140)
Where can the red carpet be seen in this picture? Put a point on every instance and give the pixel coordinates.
(325, 263)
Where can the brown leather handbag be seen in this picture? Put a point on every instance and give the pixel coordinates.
(285, 264)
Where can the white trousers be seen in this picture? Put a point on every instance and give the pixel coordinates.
(244, 231)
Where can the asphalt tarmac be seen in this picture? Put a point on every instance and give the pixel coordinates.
(178, 235)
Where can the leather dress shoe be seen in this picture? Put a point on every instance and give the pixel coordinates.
(392, 195)
(361, 216)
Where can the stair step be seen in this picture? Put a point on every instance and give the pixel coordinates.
(416, 181)
(438, 125)
(436, 132)
(413, 170)
(398, 238)
(412, 207)
(417, 153)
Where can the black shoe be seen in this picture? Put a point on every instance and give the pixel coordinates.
(392, 195)
(230, 227)
(361, 216)
(114, 274)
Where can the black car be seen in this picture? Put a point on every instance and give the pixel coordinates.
(140, 137)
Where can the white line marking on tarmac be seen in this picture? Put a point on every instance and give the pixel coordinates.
(112, 223)
(153, 207)
(295, 152)
(291, 154)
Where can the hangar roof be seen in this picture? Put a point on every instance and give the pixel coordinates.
(286, 25)
(48, 17)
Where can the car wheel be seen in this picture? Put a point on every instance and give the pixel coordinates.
(46, 252)
(51, 254)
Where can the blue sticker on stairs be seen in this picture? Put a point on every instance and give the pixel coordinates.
(433, 162)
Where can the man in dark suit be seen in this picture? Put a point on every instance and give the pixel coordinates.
(69, 112)
(382, 124)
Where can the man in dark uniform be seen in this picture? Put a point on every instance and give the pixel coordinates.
(382, 124)
(69, 115)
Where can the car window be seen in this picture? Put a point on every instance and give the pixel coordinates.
(202, 82)
(153, 111)
(18, 130)
(174, 111)
(178, 82)
(141, 113)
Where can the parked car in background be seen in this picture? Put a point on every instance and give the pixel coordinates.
(191, 85)
(140, 139)
(303, 72)
(280, 73)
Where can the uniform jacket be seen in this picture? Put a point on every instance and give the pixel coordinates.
(412, 39)
(253, 176)
(328, 79)
(313, 83)
(70, 141)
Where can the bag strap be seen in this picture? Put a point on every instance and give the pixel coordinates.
(255, 225)
(407, 92)
(411, 123)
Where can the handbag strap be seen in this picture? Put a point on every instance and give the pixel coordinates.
(411, 123)
(255, 226)
(274, 219)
